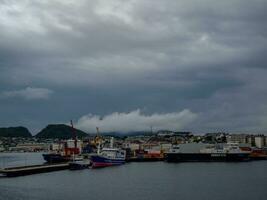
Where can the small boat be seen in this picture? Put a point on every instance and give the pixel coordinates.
(78, 165)
(77, 158)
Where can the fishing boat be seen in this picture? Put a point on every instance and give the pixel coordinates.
(108, 156)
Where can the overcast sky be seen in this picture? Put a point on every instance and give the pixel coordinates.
(197, 65)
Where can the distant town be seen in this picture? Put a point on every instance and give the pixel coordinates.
(53, 137)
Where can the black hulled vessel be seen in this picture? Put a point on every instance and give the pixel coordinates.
(199, 152)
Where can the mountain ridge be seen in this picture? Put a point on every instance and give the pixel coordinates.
(59, 131)
(18, 131)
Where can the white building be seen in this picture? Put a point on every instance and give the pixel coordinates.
(56, 147)
(1, 148)
(166, 147)
(132, 146)
(237, 138)
(260, 141)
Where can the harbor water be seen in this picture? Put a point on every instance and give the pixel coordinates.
(134, 181)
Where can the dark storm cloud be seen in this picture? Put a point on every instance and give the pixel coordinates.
(102, 57)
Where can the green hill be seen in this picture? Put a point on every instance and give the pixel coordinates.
(15, 132)
(60, 131)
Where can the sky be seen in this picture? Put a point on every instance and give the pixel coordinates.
(127, 65)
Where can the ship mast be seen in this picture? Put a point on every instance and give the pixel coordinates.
(74, 135)
(98, 140)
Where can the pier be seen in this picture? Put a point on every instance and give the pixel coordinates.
(145, 159)
(33, 169)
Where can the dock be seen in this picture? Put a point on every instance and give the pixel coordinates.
(33, 169)
(145, 159)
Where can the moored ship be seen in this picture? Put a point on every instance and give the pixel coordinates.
(108, 157)
(79, 164)
(70, 148)
(55, 158)
(206, 152)
(256, 153)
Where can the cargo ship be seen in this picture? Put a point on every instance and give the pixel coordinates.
(194, 152)
(70, 148)
(55, 158)
(108, 156)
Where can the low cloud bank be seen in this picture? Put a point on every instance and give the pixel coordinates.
(29, 93)
(136, 121)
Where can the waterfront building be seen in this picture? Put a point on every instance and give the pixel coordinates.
(238, 138)
(29, 147)
(251, 140)
(260, 141)
(132, 146)
(55, 147)
(165, 147)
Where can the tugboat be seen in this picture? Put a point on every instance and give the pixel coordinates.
(108, 156)
(195, 152)
(78, 163)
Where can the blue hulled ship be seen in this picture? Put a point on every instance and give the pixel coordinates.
(108, 156)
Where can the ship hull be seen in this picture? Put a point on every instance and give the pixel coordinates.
(101, 161)
(206, 157)
(55, 158)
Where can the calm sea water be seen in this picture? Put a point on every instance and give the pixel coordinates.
(134, 181)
